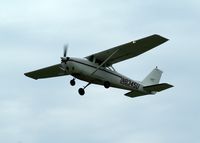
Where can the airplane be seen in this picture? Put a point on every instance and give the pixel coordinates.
(98, 68)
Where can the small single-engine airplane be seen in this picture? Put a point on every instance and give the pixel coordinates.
(97, 68)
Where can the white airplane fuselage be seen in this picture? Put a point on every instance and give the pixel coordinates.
(84, 70)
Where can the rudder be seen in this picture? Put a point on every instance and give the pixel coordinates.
(153, 77)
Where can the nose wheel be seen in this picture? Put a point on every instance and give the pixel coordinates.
(72, 82)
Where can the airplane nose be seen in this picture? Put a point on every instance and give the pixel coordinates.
(64, 65)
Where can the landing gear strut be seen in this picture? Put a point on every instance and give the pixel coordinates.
(72, 82)
(81, 91)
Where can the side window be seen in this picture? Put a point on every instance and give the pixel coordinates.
(98, 61)
(91, 58)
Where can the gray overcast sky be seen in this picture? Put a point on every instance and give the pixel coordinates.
(32, 35)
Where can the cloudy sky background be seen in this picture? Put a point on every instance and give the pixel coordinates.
(32, 35)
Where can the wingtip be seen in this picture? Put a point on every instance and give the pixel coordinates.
(28, 75)
(163, 38)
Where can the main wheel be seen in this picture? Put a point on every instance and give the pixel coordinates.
(81, 91)
(72, 82)
(106, 84)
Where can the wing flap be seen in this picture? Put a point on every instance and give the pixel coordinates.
(129, 50)
(48, 72)
(157, 87)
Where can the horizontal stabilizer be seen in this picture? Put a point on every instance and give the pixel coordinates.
(135, 94)
(157, 87)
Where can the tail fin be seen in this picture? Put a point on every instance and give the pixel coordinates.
(153, 78)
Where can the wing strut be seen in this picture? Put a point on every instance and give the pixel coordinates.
(104, 62)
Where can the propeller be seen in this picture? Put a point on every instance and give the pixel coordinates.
(64, 59)
(65, 50)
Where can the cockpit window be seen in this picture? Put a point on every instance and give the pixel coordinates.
(91, 58)
(109, 68)
(98, 61)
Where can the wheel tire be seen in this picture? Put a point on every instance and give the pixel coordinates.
(72, 82)
(81, 91)
(106, 84)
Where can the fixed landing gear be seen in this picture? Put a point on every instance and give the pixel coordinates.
(72, 82)
(81, 91)
(106, 84)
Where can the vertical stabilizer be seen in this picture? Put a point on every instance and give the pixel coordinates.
(153, 77)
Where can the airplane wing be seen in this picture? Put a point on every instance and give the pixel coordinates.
(128, 50)
(48, 72)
